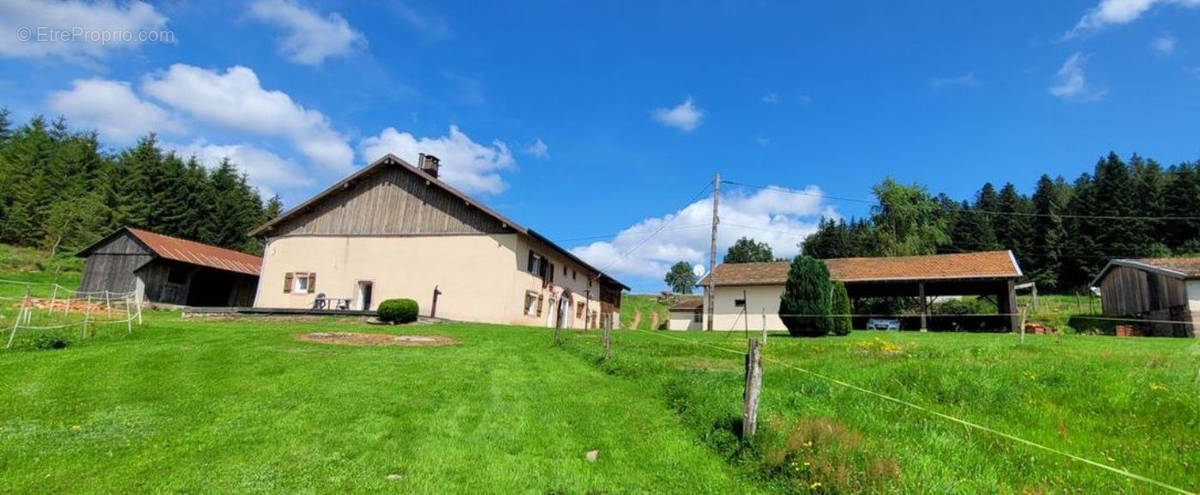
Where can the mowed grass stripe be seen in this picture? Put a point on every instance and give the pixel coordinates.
(239, 406)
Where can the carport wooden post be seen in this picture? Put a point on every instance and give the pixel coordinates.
(754, 373)
(1009, 304)
(924, 306)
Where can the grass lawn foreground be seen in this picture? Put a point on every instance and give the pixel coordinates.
(234, 405)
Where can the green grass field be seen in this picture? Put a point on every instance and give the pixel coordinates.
(195, 405)
(644, 304)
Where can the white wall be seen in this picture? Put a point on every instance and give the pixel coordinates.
(760, 300)
(683, 320)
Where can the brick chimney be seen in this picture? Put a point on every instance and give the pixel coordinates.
(428, 164)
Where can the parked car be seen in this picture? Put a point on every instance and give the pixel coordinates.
(883, 324)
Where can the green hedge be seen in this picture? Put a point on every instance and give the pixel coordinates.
(397, 311)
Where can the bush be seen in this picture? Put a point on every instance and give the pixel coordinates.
(51, 340)
(840, 306)
(397, 311)
(807, 292)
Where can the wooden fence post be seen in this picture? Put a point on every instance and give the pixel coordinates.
(754, 372)
(607, 340)
(764, 319)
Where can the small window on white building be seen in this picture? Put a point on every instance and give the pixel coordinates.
(739, 303)
(698, 316)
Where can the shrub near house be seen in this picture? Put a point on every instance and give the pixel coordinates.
(398, 311)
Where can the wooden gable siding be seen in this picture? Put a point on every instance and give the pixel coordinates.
(392, 201)
(1130, 291)
(110, 267)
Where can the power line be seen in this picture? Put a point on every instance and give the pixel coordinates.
(973, 210)
(657, 231)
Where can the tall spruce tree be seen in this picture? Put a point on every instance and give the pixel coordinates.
(806, 302)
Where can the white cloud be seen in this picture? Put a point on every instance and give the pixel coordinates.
(770, 98)
(310, 38)
(1070, 83)
(685, 116)
(77, 26)
(465, 164)
(1164, 44)
(538, 149)
(965, 80)
(432, 28)
(1111, 12)
(112, 108)
(236, 100)
(265, 170)
(779, 217)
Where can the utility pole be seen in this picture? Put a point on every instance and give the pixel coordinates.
(712, 248)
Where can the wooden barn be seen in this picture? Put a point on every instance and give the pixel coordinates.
(1160, 289)
(170, 270)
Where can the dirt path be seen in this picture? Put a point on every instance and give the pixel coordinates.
(654, 320)
(637, 318)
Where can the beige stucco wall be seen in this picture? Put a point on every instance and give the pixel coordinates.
(760, 300)
(481, 277)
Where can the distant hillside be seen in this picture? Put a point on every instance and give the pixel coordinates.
(642, 308)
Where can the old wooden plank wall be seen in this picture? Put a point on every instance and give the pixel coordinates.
(392, 201)
(110, 267)
(1129, 291)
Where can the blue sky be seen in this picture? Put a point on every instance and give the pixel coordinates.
(595, 124)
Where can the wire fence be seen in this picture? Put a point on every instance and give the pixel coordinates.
(932, 412)
(56, 307)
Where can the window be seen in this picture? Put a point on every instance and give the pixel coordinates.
(300, 283)
(539, 305)
(698, 315)
(579, 308)
(534, 265)
(531, 304)
(564, 270)
(573, 274)
(739, 303)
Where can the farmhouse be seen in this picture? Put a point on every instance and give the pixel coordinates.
(393, 230)
(169, 270)
(746, 295)
(1161, 289)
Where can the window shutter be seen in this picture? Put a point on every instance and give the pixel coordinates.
(529, 264)
(287, 282)
(312, 283)
(552, 272)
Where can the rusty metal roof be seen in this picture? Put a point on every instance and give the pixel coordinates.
(986, 264)
(195, 253)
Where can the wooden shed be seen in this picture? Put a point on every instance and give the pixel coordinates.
(170, 270)
(1162, 290)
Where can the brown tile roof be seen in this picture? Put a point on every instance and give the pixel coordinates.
(988, 264)
(688, 304)
(183, 250)
(1176, 267)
